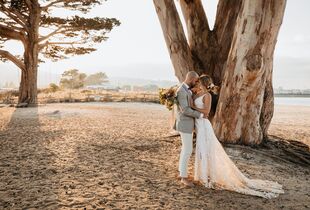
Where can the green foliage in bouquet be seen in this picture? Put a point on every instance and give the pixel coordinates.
(168, 97)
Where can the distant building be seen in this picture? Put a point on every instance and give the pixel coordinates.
(106, 86)
(282, 91)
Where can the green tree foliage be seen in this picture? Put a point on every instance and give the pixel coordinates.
(53, 87)
(96, 79)
(44, 35)
(61, 37)
(72, 79)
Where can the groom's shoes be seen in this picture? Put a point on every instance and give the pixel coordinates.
(187, 182)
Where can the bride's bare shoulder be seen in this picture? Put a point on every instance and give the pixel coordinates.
(195, 96)
(207, 97)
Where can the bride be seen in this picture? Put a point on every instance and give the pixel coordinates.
(213, 168)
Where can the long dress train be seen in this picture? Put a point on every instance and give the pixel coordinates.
(215, 169)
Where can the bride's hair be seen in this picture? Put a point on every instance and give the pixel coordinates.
(207, 82)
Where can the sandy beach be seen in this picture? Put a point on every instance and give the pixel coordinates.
(117, 156)
(291, 122)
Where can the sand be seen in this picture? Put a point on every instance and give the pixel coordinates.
(116, 156)
(291, 122)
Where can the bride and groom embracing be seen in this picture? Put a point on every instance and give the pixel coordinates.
(213, 167)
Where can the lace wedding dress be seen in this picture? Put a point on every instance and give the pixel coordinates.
(214, 169)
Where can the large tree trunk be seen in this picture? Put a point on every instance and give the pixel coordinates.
(249, 66)
(238, 54)
(28, 85)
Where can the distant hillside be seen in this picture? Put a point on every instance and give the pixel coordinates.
(8, 74)
(11, 74)
(121, 81)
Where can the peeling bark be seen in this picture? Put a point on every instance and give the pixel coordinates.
(179, 50)
(198, 31)
(243, 98)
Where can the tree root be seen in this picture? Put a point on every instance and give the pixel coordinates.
(288, 151)
(263, 153)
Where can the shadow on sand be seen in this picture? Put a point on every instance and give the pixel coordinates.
(26, 164)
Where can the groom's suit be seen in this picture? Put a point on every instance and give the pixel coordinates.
(185, 122)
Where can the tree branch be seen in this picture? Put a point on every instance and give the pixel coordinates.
(18, 29)
(65, 43)
(198, 32)
(195, 16)
(12, 58)
(225, 24)
(53, 3)
(57, 31)
(173, 32)
(41, 46)
(8, 32)
(15, 15)
(29, 4)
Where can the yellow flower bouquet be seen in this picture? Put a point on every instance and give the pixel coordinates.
(167, 97)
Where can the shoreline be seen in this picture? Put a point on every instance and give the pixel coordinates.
(292, 95)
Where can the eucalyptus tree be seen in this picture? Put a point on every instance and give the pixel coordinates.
(237, 53)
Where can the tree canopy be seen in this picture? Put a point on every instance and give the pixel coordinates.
(72, 79)
(59, 37)
(96, 79)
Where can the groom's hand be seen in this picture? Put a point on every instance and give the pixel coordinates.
(205, 116)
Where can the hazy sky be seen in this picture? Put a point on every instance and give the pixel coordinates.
(137, 48)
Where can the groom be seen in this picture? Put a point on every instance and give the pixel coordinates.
(185, 121)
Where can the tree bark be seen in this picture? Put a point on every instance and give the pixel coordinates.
(198, 32)
(238, 55)
(172, 28)
(243, 98)
(268, 105)
(28, 85)
(210, 48)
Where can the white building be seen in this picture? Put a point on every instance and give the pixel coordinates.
(106, 86)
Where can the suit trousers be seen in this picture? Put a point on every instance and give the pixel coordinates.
(186, 152)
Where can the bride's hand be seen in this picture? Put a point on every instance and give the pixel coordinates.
(206, 116)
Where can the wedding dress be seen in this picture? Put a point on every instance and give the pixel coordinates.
(214, 169)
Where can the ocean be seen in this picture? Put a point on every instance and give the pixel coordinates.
(296, 101)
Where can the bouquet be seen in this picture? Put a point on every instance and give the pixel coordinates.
(214, 89)
(168, 97)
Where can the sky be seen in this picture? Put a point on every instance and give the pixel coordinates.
(137, 49)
